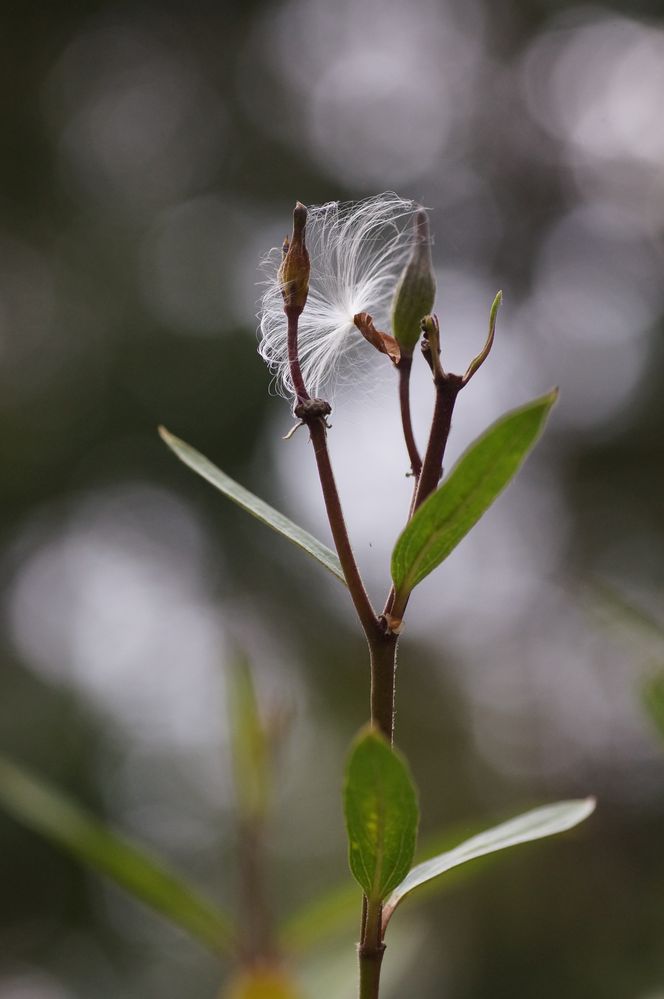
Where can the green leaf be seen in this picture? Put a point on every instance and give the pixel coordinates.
(380, 803)
(653, 699)
(250, 743)
(537, 824)
(471, 487)
(252, 504)
(331, 913)
(46, 811)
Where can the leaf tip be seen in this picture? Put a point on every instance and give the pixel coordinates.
(581, 809)
(165, 435)
(368, 733)
(591, 804)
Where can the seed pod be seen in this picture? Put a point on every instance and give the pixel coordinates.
(416, 290)
(294, 270)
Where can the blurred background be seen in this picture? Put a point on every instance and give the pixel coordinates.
(151, 154)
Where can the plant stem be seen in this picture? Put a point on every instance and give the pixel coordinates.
(382, 657)
(312, 412)
(370, 964)
(384, 649)
(383, 662)
(293, 317)
(359, 596)
(404, 367)
(370, 953)
(448, 387)
(382, 642)
(447, 390)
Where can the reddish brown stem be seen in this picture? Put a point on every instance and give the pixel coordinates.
(293, 317)
(382, 643)
(448, 387)
(312, 412)
(447, 390)
(371, 952)
(404, 367)
(383, 651)
(358, 593)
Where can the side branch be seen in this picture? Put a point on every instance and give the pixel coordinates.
(447, 390)
(448, 387)
(404, 367)
(359, 596)
(313, 413)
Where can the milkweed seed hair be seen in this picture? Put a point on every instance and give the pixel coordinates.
(358, 251)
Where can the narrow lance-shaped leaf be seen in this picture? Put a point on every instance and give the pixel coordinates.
(536, 824)
(380, 803)
(46, 811)
(249, 741)
(476, 480)
(258, 508)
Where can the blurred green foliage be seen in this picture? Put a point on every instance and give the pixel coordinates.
(149, 157)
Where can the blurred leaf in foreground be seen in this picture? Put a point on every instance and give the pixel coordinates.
(250, 744)
(48, 812)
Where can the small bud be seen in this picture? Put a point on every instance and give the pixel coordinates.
(394, 624)
(416, 289)
(430, 328)
(294, 270)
